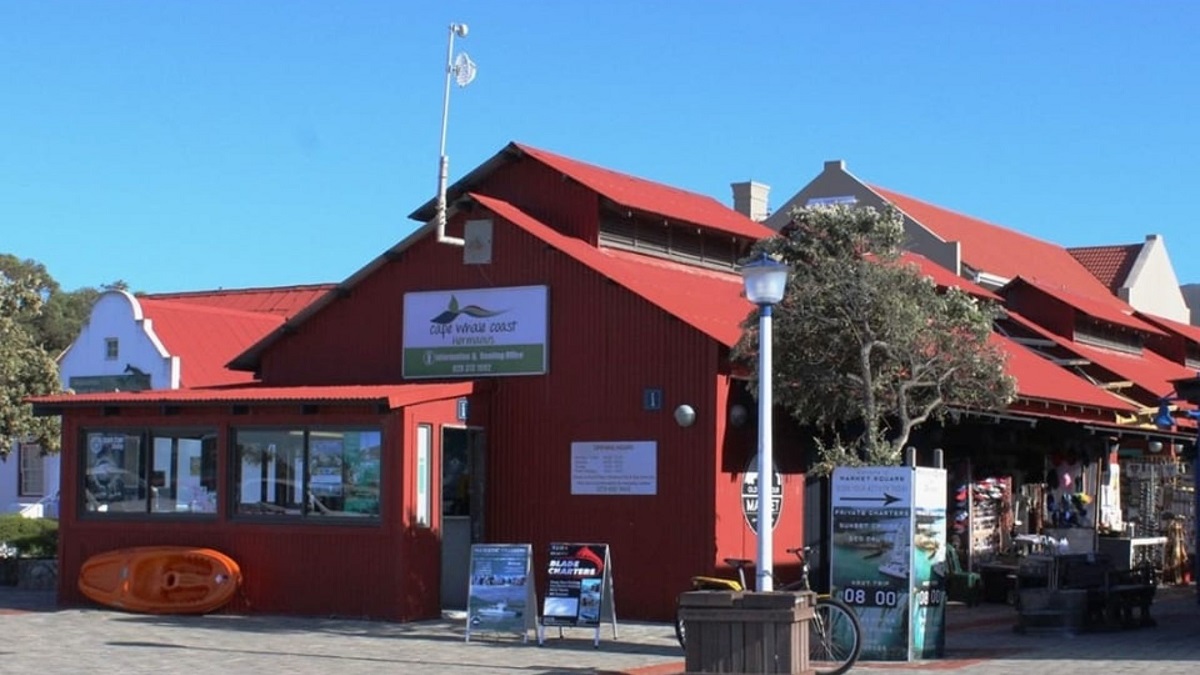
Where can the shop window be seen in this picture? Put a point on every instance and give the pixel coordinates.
(161, 471)
(307, 472)
(32, 480)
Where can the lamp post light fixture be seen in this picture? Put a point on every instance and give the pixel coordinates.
(766, 280)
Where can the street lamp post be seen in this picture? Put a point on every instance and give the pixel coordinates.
(765, 279)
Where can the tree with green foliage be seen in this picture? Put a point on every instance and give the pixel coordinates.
(867, 348)
(63, 313)
(26, 367)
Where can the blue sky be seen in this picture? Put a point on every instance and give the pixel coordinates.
(194, 145)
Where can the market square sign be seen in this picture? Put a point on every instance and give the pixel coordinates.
(477, 332)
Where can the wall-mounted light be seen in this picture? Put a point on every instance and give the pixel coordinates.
(685, 415)
(1156, 446)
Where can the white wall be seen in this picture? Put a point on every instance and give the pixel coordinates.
(1152, 286)
(118, 314)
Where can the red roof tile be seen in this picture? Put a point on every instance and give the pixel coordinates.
(206, 338)
(1113, 310)
(394, 395)
(997, 250)
(1110, 264)
(282, 300)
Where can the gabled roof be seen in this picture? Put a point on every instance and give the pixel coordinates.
(1114, 310)
(206, 338)
(629, 191)
(392, 395)
(1000, 251)
(282, 300)
(708, 300)
(1110, 264)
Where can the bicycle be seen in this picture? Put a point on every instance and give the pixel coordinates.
(834, 633)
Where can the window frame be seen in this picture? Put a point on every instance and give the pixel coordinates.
(112, 349)
(146, 435)
(31, 461)
(309, 511)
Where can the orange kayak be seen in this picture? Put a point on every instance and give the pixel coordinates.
(161, 579)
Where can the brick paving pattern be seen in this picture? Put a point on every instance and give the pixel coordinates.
(41, 638)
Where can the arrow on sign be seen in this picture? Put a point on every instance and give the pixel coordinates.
(886, 499)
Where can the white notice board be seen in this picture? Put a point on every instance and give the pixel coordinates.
(614, 468)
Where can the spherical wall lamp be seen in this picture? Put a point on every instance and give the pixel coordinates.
(685, 415)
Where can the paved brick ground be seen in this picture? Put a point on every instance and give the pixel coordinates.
(38, 637)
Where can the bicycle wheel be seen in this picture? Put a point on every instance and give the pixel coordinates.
(834, 637)
(680, 630)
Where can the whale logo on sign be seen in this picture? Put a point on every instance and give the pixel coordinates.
(750, 494)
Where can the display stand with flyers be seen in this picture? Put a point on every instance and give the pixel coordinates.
(579, 591)
(501, 595)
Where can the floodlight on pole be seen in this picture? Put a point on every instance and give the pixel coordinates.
(765, 281)
(462, 70)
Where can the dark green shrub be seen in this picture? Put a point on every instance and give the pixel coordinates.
(31, 537)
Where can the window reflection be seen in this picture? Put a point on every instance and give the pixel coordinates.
(302, 472)
(176, 472)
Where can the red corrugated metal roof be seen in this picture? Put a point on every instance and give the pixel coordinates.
(394, 395)
(709, 300)
(282, 300)
(945, 278)
(628, 191)
(1186, 330)
(713, 303)
(997, 250)
(1110, 264)
(1148, 370)
(206, 338)
(1038, 378)
(652, 197)
(1113, 310)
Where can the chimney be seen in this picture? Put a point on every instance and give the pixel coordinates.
(750, 199)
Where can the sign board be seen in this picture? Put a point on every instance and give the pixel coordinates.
(750, 495)
(477, 332)
(501, 596)
(91, 384)
(614, 468)
(887, 557)
(579, 592)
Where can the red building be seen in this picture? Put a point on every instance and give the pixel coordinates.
(346, 481)
(560, 375)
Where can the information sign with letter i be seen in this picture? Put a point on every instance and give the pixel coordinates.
(579, 593)
(501, 597)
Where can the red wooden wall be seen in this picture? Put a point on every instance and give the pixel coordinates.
(382, 569)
